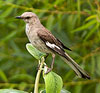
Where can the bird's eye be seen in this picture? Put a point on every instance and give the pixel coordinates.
(27, 17)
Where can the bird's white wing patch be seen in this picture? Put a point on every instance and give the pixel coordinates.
(51, 45)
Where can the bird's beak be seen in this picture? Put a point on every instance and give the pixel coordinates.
(18, 17)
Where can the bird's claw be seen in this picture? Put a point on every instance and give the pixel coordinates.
(49, 70)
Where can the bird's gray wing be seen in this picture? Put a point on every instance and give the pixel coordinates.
(51, 41)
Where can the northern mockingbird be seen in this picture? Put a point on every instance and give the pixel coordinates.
(44, 41)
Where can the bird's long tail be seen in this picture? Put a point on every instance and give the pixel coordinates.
(78, 70)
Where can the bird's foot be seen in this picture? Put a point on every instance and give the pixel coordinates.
(49, 70)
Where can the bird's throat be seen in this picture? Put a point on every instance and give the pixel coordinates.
(27, 28)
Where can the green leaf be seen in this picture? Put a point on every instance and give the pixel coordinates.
(59, 22)
(11, 91)
(78, 7)
(43, 91)
(34, 52)
(65, 91)
(9, 36)
(53, 83)
(98, 65)
(93, 64)
(78, 89)
(3, 76)
(22, 77)
(22, 86)
(98, 88)
(85, 26)
(6, 13)
(91, 17)
(90, 33)
(62, 91)
(50, 22)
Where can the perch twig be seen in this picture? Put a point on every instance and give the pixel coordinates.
(38, 75)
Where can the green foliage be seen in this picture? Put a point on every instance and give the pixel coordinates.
(98, 88)
(34, 52)
(53, 83)
(3, 76)
(11, 91)
(62, 91)
(62, 17)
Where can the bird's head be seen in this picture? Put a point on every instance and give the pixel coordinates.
(28, 17)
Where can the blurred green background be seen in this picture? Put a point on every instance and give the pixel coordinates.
(75, 22)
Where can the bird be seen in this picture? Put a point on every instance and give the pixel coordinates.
(43, 40)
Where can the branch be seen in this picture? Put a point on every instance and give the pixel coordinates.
(38, 75)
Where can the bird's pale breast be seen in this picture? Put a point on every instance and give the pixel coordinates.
(35, 40)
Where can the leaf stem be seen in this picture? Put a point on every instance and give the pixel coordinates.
(38, 75)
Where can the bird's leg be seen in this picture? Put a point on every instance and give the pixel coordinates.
(53, 59)
(40, 62)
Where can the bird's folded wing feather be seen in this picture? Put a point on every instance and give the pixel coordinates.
(51, 42)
